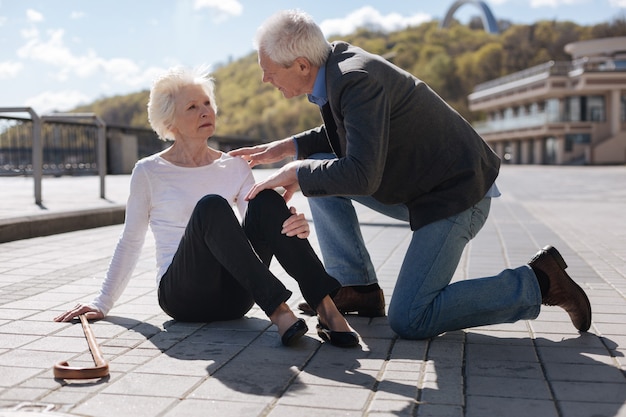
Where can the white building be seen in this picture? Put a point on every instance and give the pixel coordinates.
(559, 112)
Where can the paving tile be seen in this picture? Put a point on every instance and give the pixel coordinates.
(601, 392)
(154, 385)
(541, 367)
(325, 397)
(194, 408)
(106, 405)
(586, 409)
(508, 387)
(481, 406)
(13, 375)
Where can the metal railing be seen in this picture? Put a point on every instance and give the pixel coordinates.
(37, 148)
(100, 141)
(549, 68)
(23, 151)
(76, 144)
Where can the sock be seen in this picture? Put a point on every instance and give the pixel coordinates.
(543, 280)
(366, 288)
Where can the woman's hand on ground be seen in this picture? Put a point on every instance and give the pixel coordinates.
(90, 312)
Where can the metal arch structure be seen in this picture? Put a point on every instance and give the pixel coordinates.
(489, 21)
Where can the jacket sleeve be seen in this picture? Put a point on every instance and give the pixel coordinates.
(361, 111)
(311, 142)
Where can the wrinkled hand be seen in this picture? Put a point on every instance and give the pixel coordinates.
(266, 153)
(296, 225)
(285, 177)
(90, 312)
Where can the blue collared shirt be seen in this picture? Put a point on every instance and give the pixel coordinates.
(319, 96)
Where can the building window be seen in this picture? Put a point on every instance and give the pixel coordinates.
(619, 65)
(595, 109)
(576, 139)
(623, 110)
(572, 109)
(549, 150)
(533, 108)
(552, 110)
(585, 109)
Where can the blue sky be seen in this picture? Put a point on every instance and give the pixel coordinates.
(57, 54)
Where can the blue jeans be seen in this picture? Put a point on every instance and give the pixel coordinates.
(424, 303)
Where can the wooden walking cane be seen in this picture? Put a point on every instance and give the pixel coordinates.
(63, 370)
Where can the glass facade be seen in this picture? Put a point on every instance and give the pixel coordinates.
(573, 139)
(585, 109)
(574, 113)
(569, 109)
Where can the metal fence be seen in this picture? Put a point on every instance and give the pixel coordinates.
(76, 144)
(58, 144)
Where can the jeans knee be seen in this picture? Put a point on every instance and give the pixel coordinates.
(406, 326)
(399, 323)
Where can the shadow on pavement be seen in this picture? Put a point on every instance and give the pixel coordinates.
(482, 374)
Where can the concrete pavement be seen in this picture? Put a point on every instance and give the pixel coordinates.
(160, 367)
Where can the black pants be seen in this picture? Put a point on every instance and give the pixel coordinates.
(221, 268)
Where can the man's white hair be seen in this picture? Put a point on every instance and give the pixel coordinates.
(291, 34)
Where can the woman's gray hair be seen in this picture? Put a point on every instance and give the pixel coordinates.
(291, 34)
(165, 88)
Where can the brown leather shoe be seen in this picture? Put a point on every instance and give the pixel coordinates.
(348, 300)
(563, 291)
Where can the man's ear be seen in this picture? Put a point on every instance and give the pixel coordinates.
(303, 65)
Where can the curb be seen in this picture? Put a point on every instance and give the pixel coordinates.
(27, 227)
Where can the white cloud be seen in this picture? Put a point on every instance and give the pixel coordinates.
(371, 18)
(3, 20)
(554, 3)
(51, 52)
(117, 71)
(34, 16)
(77, 15)
(10, 69)
(223, 8)
(49, 101)
(613, 3)
(29, 33)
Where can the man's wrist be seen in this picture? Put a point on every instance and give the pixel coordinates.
(289, 147)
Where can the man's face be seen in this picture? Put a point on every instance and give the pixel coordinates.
(292, 81)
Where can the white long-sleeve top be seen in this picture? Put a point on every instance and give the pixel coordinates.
(162, 197)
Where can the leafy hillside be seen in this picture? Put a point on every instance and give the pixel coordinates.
(452, 61)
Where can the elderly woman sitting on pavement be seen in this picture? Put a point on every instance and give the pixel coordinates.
(211, 267)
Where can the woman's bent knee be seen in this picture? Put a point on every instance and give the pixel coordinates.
(211, 201)
(266, 197)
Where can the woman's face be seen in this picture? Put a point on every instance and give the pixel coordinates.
(193, 115)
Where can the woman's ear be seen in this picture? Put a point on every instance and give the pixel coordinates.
(171, 129)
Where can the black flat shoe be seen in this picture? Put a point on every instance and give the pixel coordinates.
(295, 332)
(339, 339)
